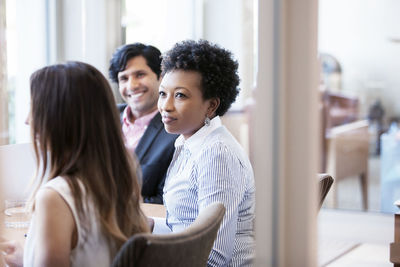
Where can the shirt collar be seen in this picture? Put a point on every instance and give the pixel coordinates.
(142, 121)
(196, 140)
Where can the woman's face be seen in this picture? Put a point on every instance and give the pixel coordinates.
(28, 119)
(181, 102)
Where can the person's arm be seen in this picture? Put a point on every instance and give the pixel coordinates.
(160, 226)
(55, 229)
(150, 222)
(221, 179)
(12, 252)
(158, 198)
(162, 161)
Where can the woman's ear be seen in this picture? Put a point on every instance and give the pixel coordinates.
(213, 106)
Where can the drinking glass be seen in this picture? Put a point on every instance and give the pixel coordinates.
(16, 214)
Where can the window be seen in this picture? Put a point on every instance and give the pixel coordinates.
(176, 20)
(7, 79)
(170, 22)
(24, 52)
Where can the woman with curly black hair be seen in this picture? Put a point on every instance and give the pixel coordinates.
(199, 85)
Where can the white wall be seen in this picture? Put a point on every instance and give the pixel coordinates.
(15, 182)
(229, 23)
(357, 33)
(222, 23)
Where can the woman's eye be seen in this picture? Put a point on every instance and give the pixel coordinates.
(161, 93)
(180, 95)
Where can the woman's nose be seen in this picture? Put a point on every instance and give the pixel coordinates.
(28, 118)
(166, 103)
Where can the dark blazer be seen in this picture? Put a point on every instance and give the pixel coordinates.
(154, 152)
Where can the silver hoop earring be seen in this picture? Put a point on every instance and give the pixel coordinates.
(207, 121)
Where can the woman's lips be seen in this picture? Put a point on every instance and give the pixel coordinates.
(167, 119)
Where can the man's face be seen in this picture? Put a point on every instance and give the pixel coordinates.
(138, 86)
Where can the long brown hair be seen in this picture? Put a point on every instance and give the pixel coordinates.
(77, 135)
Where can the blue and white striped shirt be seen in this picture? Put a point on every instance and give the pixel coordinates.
(208, 167)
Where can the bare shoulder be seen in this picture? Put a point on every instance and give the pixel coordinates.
(55, 229)
(47, 195)
(49, 198)
(51, 206)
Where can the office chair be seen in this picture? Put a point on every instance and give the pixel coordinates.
(325, 182)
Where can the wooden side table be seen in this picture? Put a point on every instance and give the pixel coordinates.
(395, 246)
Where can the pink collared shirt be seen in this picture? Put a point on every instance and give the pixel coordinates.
(134, 131)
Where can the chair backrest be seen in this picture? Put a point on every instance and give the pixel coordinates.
(190, 247)
(325, 182)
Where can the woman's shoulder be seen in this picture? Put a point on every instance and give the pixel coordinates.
(63, 188)
(59, 184)
(222, 138)
(46, 196)
(221, 143)
(50, 201)
(55, 182)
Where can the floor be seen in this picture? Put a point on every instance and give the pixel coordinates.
(349, 236)
(359, 238)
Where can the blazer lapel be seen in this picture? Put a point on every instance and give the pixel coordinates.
(154, 127)
(121, 108)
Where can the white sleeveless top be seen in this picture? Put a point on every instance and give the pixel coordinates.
(92, 248)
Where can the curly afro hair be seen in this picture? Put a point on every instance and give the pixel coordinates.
(216, 65)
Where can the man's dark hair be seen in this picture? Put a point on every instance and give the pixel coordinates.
(216, 66)
(124, 53)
